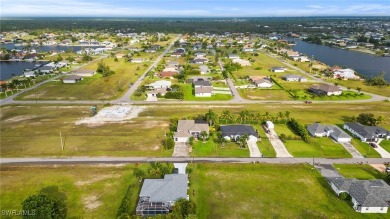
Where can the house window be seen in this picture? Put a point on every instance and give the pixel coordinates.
(366, 209)
(381, 209)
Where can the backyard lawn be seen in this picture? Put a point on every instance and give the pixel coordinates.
(264, 94)
(364, 171)
(264, 145)
(265, 191)
(211, 149)
(91, 191)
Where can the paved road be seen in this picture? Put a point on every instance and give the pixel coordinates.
(285, 160)
(236, 96)
(126, 97)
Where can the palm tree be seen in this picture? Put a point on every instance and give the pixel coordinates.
(244, 115)
(380, 119)
(211, 117)
(358, 89)
(155, 168)
(203, 135)
(280, 115)
(266, 115)
(226, 115)
(242, 140)
(139, 173)
(287, 115)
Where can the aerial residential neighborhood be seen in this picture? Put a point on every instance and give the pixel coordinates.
(179, 110)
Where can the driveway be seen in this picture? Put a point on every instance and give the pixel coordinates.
(381, 151)
(327, 170)
(181, 150)
(151, 99)
(351, 149)
(278, 145)
(253, 149)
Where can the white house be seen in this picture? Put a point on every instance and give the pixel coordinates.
(334, 132)
(203, 88)
(368, 196)
(325, 89)
(84, 72)
(261, 81)
(189, 128)
(72, 79)
(204, 69)
(233, 56)
(29, 74)
(137, 60)
(278, 69)
(294, 78)
(345, 74)
(242, 62)
(159, 84)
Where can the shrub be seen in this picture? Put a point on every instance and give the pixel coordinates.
(345, 196)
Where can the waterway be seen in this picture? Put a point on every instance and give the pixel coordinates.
(11, 46)
(11, 69)
(365, 64)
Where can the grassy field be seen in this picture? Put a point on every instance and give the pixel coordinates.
(264, 94)
(33, 130)
(385, 91)
(26, 131)
(211, 149)
(91, 88)
(358, 171)
(91, 191)
(266, 191)
(385, 144)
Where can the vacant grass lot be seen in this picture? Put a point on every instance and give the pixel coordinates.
(266, 191)
(35, 131)
(264, 145)
(211, 149)
(91, 88)
(358, 171)
(264, 94)
(92, 191)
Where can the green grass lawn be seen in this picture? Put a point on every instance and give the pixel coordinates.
(385, 144)
(358, 171)
(92, 191)
(91, 88)
(266, 191)
(189, 95)
(264, 94)
(365, 149)
(27, 132)
(385, 91)
(211, 149)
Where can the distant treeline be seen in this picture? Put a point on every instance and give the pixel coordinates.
(172, 25)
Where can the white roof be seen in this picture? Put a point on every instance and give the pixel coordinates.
(161, 83)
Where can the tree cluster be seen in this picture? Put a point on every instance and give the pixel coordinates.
(104, 70)
(299, 129)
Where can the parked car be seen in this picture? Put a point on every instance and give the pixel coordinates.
(387, 170)
(373, 145)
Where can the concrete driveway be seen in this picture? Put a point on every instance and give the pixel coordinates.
(181, 150)
(252, 146)
(381, 151)
(278, 145)
(351, 149)
(151, 99)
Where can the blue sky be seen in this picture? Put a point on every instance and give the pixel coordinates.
(193, 8)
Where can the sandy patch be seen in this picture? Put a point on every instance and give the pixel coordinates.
(19, 119)
(95, 179)
(91, 202)
(380, 167)
(113, 114)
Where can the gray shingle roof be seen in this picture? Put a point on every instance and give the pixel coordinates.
(367, 131)
(368, 193)
(171, 188)
(335, 131)
(229, 130)
(202, 83)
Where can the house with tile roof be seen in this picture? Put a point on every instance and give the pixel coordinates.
(189, 128)
(325, 89)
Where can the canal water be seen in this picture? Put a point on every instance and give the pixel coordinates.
(365, 64)
(11, 46)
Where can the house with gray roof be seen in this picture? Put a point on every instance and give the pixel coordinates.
(189, 128)
(203, 88)
(367, 133)
(368, 196)
(158, 196)
(234, 132)
(332, 131)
